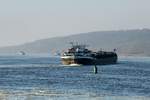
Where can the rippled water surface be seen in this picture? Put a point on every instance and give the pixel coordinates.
(44, 78)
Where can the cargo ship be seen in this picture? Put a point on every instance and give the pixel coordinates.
(80, 55)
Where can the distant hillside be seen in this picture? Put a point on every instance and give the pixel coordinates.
(127, 42)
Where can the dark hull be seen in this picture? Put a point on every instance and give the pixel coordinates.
(87, 61)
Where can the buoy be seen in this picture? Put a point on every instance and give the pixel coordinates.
(95, 69)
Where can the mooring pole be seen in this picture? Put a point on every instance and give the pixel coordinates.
(95, 69)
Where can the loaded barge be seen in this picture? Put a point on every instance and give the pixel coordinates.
(79, 54)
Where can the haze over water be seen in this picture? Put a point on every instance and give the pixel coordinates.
(44, 78)
(23, 21)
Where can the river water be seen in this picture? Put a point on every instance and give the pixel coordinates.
(44, 78)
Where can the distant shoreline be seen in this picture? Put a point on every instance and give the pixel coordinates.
(126, 42)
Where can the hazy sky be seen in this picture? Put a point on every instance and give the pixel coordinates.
(28, 20)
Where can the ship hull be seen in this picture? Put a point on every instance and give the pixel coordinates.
(89, 61)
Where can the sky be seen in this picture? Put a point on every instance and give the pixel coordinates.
(24, 21)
